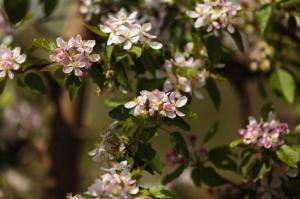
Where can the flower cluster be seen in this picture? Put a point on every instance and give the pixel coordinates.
(125, 29)
(89, 8)
(184, 73)
(75, 55)
(267, 134)
(112, 147)
(157, 102)
(215, 15)
(10, 60)
(260, 56)
(116, 184)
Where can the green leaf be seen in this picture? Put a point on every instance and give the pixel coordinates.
(44, 44)
(208, 176)
(121, 77)
(288, 155)
(178, 122)
(148, 134)
(263, 16)
(149, 84)
(96, 30)
(179, 144)
(120, 113)
(175, 174)
(259, 170)
(235, 143)
(35, 82)
(214, 49)
(284, 83)
(213, 92)
(97, 76)
(73, 85)
(220, 158)
(60, 77)
(136, 50)
(150, 157)
(16, 10)
(245, 164)
(49, 6)
(211, 133)
(237, 37)
(160, 193)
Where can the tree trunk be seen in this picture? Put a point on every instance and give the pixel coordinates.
(65, 122)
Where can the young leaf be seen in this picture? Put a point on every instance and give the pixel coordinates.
(95, 30)
(121, 77)
(97, 76)
(213, 92)
(73, 85)
(147, 154)
(16, 10)
(136, 50)
(259, 170)
(220, 158)
(208, 176)
(178, 122)
(175, 174)
(120, 113)
(148, 135)
(284, 83)
(211, 133)
(263, 16)
(288, 155)
(44, 44)
(160, 193)
(237, 37)
(49, 6)
(235, 143)
(179, 144)
(245, 164)
(214, 49)
(35, 82)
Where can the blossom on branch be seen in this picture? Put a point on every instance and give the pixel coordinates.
(267, 134)
(75, 55)
(10, 61)
(164, 104)
(184, 73)
(215, 15)
(125, 29)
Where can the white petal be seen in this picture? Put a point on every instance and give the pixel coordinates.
(3, 73)
(179, 113)
(230, 28)
(16, 52)
(155, 45)
(130, 104)
(181, 101)
(127, 45)
(105, 29)
(94, 58)
(67, 69)
(199, 22)
(192, 14)
(135, 39)
(10, 74)
(21, 59)
(171, 115)
(90, 43)
(78, 72)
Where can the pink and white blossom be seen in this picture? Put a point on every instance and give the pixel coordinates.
(10, 61)
(75, 55)
(267, 134)
(124, 28)
(88, 8)
(158, 103)
(215, 15)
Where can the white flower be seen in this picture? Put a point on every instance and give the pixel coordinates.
(10, 60)
(214, 15)
(125, 29)
(90, 8)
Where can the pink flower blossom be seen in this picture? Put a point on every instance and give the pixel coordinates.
(74, 55)
(268, 134)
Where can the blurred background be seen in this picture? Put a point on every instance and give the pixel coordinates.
(45, 140)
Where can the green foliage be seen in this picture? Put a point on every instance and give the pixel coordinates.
(179, 144)
(178, 122)
(73, 84)
(16, 10)
(284, 83)
(263, 16)
(220, 157)
(237, 37)
(119, 113)
(211, 133)
(95, 30)
(49, 6)
(214, 49)
(35, 82)
(208, 176)
(44, 44)
(288, 155)
(173, 175)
